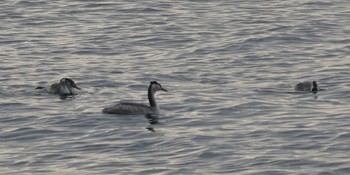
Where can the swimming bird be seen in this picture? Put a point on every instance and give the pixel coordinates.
(66, 86)
(136, 108)
(307, 86)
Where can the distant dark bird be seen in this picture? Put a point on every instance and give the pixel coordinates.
(307, 86)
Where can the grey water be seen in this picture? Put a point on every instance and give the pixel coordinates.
(229, 66)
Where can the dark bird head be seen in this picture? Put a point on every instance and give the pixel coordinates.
(155, 86)
(69, 82)
(314, 87)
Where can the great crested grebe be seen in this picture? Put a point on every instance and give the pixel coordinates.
(66, 86)
(136, 108)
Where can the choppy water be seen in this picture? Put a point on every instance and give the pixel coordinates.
(229, 66)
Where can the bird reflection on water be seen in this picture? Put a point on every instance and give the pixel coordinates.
(153, 119)
(67, 97)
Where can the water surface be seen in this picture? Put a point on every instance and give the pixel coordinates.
(229, 66)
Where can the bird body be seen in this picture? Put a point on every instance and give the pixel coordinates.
(307, 86)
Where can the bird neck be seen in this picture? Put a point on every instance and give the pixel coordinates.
(152, 100)
(64, 89)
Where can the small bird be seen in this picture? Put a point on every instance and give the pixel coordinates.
(136, 108)
(307, 86)
(65, 87)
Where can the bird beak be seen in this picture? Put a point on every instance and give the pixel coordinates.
(164, 90)
(75, 86)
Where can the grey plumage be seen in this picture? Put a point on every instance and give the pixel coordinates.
(130, 108)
